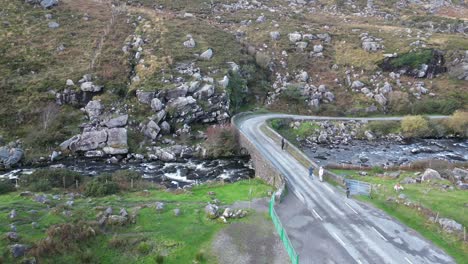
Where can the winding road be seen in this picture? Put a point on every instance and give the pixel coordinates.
(326, 227)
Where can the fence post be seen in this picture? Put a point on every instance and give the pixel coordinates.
(464, 233)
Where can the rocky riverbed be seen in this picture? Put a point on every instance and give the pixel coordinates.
(170, 174)
(388, 153)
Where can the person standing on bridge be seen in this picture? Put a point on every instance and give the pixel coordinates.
(282, 143)
(321, 173)
(311, 172)
(347, 190)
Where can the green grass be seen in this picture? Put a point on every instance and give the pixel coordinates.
(179, 239)
(449, 204)
(412, 59)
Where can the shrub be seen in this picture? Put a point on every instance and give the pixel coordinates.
(200, 256)
(101, 186)
(263, 60)
(237, 91)
(458, 123)
(116, 242)
(415, 126)
(124, 178)
(54, 178)
(436, 106)
(6, 186)
(384, 127)
(42, 185)
(159, 259)
(307, 129)
(412, 59)
(144, 248)
(221, 141)
(377, 170)
(398, 102)
(278, 124)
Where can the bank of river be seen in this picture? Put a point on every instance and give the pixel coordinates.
(170, 174)
(389, 153)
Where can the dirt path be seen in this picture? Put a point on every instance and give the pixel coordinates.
(252, 242)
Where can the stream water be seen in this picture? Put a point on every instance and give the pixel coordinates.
(381, 152)
(169, 174)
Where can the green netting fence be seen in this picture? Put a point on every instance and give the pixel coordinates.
(282, 233)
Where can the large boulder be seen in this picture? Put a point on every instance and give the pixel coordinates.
(116, 141)
(182, 105)
(117, 220)
(156, 104)
(430, 174)
(275, 35)
(18, 250)
(90, 140)
(90, 87)
(295, 37)
(145, 97)
(211, 211)
(207, 55)
(175, 93)
(94, 109)
(119, 121)
(450, 225)
(152, 130)
(10, 156)
(380, 98)
(460, 174)
(205, 92)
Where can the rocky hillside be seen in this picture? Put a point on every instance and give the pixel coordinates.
(139, 79)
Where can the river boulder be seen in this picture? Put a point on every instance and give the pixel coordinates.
(430, 174)
(10, 156)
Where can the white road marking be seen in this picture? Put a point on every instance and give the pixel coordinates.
(328, 188)
(408, 260)
(316, 214)
(351, 208)
(379, 234)
(339, 239)
(358, 261)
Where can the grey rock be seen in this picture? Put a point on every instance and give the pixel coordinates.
(94, 109)
(94, 154)
(55, 155)
(207, 55)
(165, 128)
(53, 25)
(70, 83)
(460, 174)
(12, 214)
(18, 250)
(108, 211)
(205, 92)
(35, 225)
(402, 196)
(48, 3)
(175, 93)
(408, 180)
(10, 156)
(275, 35)
(90, 87)
(224, 82)
(357, 85)
(12, 236)
(117, 220)
(190, 43)
(450, 225)
(41, 198)
(116, 141)
(301, 45)
(211, 211)
(318, 48)
(183, 104)
(90, 140)
(152, 130)
(160, 206)
(369, 135)
(177, 212)
(119, 121)
(145, 97)
(430, 174)
(123, 212)
(295, 37)
(156, 104)
(381, 99)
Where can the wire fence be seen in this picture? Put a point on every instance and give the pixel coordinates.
(282, 233)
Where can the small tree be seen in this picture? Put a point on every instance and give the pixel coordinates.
(49, 114)
(294, 96)
(221, 141)
(237, 91)
(458, 123)
(415, 126)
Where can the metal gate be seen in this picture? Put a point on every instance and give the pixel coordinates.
(358, 187)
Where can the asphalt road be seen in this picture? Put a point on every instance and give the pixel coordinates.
(326, 227)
